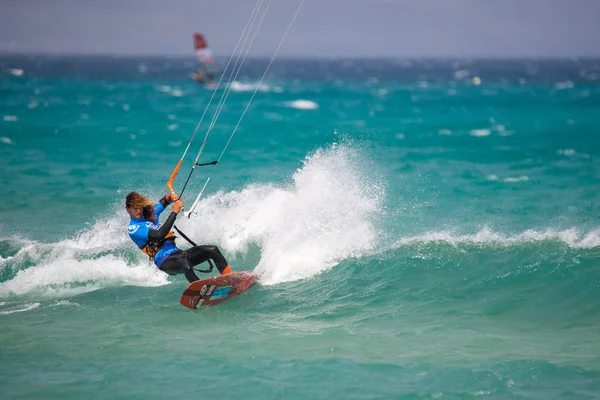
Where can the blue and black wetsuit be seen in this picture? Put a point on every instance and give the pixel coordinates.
(158, 242)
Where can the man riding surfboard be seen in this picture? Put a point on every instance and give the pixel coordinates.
(158, 242)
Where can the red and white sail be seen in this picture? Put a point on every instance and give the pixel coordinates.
(203, 52)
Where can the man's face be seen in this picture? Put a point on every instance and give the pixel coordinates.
(136, 212)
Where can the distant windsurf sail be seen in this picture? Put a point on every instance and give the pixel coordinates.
(205, 58)
(203, 52)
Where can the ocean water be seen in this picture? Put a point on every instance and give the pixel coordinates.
(422, 229)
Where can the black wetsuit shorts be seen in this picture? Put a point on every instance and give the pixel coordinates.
(183, 261)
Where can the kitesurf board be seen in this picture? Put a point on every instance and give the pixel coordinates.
(215, 290)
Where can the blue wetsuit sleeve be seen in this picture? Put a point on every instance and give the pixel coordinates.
(158, 209)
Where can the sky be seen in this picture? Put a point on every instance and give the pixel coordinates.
(323, 28)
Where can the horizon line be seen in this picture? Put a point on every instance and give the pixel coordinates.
(306, 57)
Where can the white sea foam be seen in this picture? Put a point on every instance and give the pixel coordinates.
(10, 118)
(303, 104)
(87, 262)
(480, 132)
(65, 303)
(173, 91)
(461, 74)
(572, 153)
(6, 140)
(566, 152)
(15, 71)
(572, 237)
(564, 85)
(249, 87)
(382, 92)
(324, 215)
(522, 178)
(273, 116)
(20, 308)
(68, 276)
(176, 92)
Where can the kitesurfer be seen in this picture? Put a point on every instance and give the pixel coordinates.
(158, 242)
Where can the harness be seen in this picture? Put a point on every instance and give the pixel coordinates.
(153, 246)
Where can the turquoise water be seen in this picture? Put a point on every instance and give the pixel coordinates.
(417, 233)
